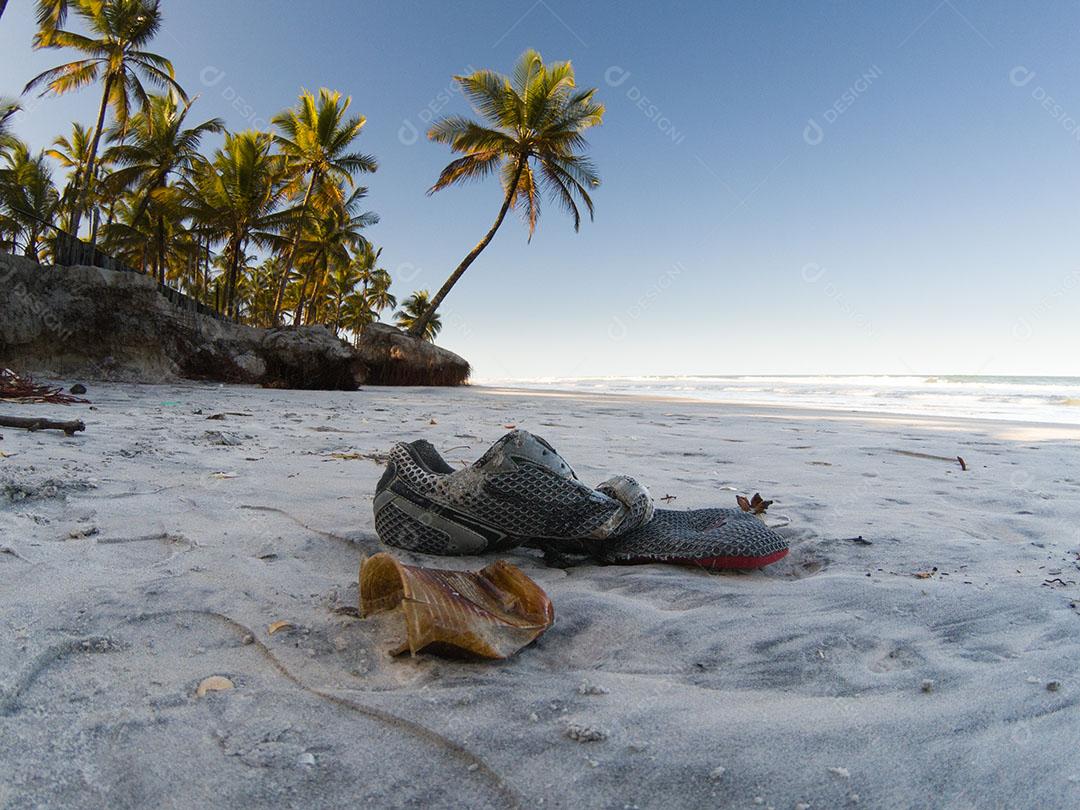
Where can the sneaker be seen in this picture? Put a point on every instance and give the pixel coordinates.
(520, 489)
(706, 538)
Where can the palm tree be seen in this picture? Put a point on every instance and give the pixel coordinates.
(51, 14)
(417, 307)
(235, 198)
(328, 240)
(160, 149)
(116, 57)
(316, 137)
(531, 135)
(375, 280)
(28, 199)
(8, 108)
(72, 153)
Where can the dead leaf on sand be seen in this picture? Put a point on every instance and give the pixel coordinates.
(283, 624)
(489, 614)
(756, 505)
(215, 683)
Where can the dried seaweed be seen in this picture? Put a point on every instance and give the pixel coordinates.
(490, 614)
(23, 390)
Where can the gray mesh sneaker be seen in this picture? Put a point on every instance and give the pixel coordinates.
(520, 489)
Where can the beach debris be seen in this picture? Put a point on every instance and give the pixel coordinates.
(1053, 686)
(433, 422)
(963, 464)
(223, 476)
(489, 614)
(215, 683)
(378, 458)
(78, 389)
(925, 574)
(584, 734)
(669, 498)
(717, 773)
(510, 427)
(217, 437)
(927, 686)
(282, 624)
(860, 541)
(588, 688)
(70, 428)
(843, 773)
(306, 760)
(24, 390)
(756, 505)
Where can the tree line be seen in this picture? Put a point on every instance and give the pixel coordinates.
(269, 227)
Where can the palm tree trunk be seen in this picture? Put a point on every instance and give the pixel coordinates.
(291, 255)
(91, 162)
(417, 329)
(161, 248)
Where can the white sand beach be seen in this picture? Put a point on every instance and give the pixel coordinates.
(155, 549)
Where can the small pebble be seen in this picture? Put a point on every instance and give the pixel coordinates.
(802, 806)
(583, 734)
(248, 639)
(474, 767)
(927, 685)
(1053, 686)
(305, 759)
(1032, 679)
(587, 688)
(717, 774)
(78, 388)
(843, 773)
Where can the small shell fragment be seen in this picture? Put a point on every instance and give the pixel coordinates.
(283, 624)
(215, 683)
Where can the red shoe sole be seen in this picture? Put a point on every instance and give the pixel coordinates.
(721, 563)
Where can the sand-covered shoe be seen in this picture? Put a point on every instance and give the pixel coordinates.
(519, 489)
(708, 538)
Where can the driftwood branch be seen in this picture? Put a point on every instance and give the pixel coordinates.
(32, 423)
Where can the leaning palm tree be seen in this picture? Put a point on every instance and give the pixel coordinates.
(317, 139)
(531, 135)
(114, 53)
(159, 149)
(415, 308)
(235, 199)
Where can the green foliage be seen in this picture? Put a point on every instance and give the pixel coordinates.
(413, 309)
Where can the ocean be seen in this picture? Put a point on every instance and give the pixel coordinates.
(1023, 399)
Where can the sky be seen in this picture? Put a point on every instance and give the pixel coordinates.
(788, 187)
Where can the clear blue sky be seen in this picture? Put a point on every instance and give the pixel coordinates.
(927, 221)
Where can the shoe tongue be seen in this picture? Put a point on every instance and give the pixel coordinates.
(518, 446)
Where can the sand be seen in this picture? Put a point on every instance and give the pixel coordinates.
(931, 663)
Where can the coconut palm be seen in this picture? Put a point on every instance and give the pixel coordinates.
(317, 139)
(329, 240)
(416, 307)
(51, 14)
(115, 55)
(158, 150)
(72, 153)
(28, 199)
(531, 135)
(375, 280)
(8, 108)
(235, 198)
